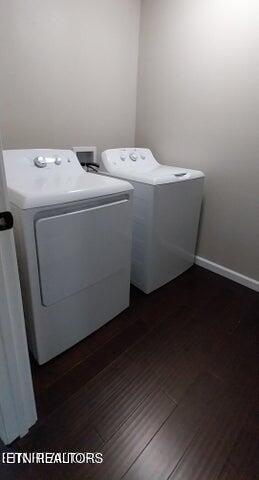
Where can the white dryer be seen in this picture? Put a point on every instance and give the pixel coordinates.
(166, 210)
(73, 238)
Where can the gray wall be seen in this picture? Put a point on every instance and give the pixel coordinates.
(198, 106)
(69, 77)
(68, 72)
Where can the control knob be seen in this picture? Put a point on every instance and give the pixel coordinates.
(40, 162)
(134, 157)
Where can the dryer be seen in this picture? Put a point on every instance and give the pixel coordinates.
(73, 237)
(166, 209)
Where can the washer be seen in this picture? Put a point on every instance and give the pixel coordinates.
(166, 206)
(73, 238)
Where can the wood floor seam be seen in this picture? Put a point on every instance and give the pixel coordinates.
(168, 390)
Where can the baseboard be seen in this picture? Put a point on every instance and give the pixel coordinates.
(226, 272)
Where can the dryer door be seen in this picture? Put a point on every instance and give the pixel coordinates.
(81, 248)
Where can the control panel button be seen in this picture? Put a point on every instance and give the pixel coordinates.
(123, 156)
(58, 161)
(134, 157)
(143, 156)
(40, 162)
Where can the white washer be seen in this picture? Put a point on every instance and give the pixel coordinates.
(73, 238)
(167, 203)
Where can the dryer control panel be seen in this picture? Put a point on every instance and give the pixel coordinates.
(28, 163)
(41, 177)
(42, 162)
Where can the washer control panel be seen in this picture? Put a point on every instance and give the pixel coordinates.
(139, 159)
(139, 164)
(132, 154)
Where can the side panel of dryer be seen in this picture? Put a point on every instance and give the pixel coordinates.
(27, 265)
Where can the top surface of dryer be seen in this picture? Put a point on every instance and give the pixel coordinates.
(139, 164)
(42, 177)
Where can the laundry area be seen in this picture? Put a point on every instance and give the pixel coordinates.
(129, 226)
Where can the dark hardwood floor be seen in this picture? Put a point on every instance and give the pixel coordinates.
(167, 390)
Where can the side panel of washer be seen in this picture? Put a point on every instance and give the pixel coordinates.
(165, 227)
(142, 238)
(176, 220)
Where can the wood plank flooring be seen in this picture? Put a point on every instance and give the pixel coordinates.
(166, 390)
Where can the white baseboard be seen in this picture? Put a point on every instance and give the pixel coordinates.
(226, 272)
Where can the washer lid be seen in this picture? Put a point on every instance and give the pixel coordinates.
(41, 177)
(139, 164)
